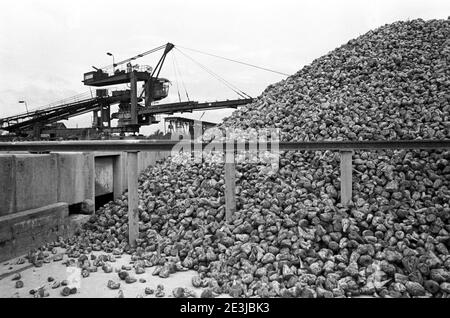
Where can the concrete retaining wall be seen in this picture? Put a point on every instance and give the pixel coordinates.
(30, 181)
(36, 190)
(20, 232)
(7, 184)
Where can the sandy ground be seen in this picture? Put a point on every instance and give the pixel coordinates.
(94, 286)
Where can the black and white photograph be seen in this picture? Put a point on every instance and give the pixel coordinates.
(225, 155)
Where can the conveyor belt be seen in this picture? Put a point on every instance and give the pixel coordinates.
(191, 106)
(54, 114)
(65, 111)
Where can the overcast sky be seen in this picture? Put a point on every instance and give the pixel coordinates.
(47, 45)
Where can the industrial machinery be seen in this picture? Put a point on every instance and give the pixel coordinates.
(134, 109)
(154, 89)
(37, 123)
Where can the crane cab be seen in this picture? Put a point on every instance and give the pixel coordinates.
(160, 89)
(91, 77)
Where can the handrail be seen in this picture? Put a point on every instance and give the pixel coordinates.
(167, 145)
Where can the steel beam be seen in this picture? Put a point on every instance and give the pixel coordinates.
(133, 93)
(230, 185)
(133, 198)
(191, 106)
(167, 145)
(346, 168)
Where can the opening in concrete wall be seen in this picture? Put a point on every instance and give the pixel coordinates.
(104, 180)
(103, 199)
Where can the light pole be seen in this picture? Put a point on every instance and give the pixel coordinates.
(114, 62)
(24, 102)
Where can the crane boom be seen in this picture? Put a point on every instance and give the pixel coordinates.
(139, 56)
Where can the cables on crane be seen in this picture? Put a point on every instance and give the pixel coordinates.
(235, 61)
(225, 82)
(181, 77)
(176, 78)
(175, 65)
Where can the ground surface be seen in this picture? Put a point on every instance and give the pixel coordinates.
(94, 286)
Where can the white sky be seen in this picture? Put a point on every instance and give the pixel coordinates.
(47, 45)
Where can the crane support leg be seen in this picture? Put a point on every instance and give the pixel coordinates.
(94, 119)
(36, 131)
(133, 92)
(102, 117)
(148, 99)
(109, 116)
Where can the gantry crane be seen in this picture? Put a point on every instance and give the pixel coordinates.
(135, 110)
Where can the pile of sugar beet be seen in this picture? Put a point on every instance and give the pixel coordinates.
(290, 236)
